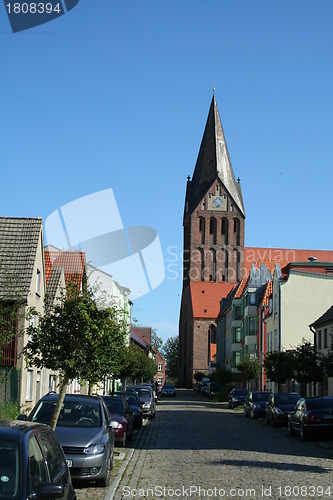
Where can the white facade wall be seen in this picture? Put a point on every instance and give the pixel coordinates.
(303, 297)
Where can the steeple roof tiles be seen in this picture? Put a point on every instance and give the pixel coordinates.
(19, 239)
(214, 162)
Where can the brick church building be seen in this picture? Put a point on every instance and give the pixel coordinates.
(214, 257)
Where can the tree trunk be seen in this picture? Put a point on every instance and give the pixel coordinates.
(62, 392)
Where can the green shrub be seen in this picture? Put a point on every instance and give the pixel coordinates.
(10, 410)
(222, 396)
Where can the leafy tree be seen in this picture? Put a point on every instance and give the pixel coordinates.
(249, 368)
(76, 339)
(222, 376)
(143, 367)
(170, 352)
(308, 364)
(328, 359)
(198, 376)
(279, 366)
(155, 340)
(11, 302)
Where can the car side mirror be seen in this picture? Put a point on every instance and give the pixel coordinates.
(22, 417)
(114, 424)
(48, 491)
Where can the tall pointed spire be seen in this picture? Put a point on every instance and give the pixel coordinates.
(214, 162)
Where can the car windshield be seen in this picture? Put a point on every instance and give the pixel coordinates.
(320, 404)
(131, 399)
(285, 399)
(240, 392)
(114, 405)
(143, 393)
(9, 470)
(260, 396)
(72, 414)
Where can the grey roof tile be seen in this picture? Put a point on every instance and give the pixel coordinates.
(18, 247)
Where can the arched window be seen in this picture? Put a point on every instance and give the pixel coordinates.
(236, 232)
(202, 224)
(211, 340)
(202, 264)
(212, 276)
(225, 230)
(212, 334)
(237, 264)
(212, 229)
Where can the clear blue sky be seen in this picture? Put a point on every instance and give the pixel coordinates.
(116, 94)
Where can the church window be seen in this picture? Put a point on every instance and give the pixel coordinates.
(202, 229)
(237, 232)
(225, 229)
(237, 264)
(202, 271)
(213, 260)
(212, 229)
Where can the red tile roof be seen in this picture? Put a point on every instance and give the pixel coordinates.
(268, 292)
(252, 254)
(73, 264)
(206, 297)
(241, 287)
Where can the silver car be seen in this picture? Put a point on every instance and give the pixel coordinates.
(84, 430)
(147, 401)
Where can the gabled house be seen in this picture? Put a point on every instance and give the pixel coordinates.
(300, 292)
(322, 330)
(22, 280)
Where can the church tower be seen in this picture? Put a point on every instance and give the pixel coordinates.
(213, 258)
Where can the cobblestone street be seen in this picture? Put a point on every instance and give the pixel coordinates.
(199, 448)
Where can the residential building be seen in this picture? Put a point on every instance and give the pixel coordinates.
(322, 329)
(300, 292)
(22, 281)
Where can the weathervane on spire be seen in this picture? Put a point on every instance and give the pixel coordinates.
(214, 88)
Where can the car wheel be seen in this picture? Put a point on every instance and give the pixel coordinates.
(291, 431)
(104, 482)
(304, 433)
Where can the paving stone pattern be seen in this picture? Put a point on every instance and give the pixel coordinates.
(200, 449)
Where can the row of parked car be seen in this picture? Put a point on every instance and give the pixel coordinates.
(306, 416)
(37, 463)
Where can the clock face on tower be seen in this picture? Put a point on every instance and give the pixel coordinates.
(217, 202)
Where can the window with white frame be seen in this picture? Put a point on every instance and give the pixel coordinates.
(160, 367)
(160, 380)
(319, 339)
(325, 338)
(30, 379)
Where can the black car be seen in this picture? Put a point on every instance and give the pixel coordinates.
(255, 403)
(237, 397)
(85, 432)
(32, 463)
(168, 390)
(214, 388)
(134, 404)
(278, 407)
(310, 416)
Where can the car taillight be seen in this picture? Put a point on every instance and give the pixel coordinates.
(311, 418)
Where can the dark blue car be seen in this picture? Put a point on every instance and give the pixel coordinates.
(32, 463)
(255, 404)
